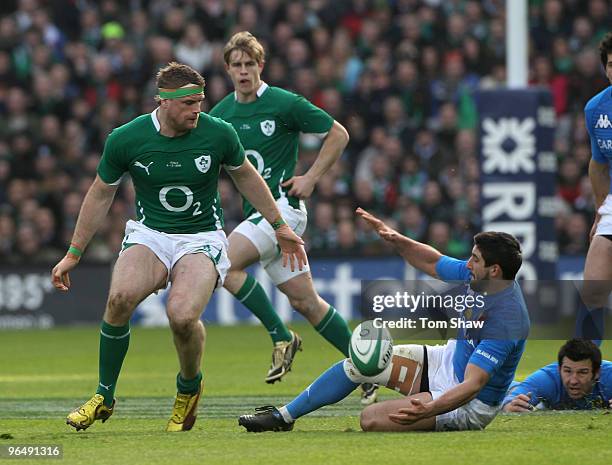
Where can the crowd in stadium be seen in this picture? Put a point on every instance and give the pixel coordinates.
(398, 74)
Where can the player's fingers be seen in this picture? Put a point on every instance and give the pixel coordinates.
(285, 259)
(396, 419)
(519, 409)
(66, 279)
(416, 402)
(292, 262)
(303, 258)
(288, 182)
(400, 419)
(58, 283)
(521, 404)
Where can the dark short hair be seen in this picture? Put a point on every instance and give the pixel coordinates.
(500, 248)
(580, 349)
(605, 47)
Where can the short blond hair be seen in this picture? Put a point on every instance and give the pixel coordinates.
(247, 43)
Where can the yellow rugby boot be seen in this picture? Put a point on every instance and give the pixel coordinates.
(92, 410)
(185, 411)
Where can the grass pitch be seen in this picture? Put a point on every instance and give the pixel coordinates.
(45, 374)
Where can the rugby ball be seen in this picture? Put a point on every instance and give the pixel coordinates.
(371, 348)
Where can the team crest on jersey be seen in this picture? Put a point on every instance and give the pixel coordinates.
(202, 163)
(267, 127)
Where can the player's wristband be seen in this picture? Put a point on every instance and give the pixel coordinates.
(278, 223)
(75, 251)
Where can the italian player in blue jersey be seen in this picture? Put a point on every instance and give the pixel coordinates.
(579, 380)
(597, 268)
(456, 386)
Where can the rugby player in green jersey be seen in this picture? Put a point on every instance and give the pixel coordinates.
(174, 156)
(269, 121)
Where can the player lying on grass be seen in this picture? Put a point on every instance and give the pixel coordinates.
(579, 380)
(456, 386)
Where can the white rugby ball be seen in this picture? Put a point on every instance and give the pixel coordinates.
(371, 348)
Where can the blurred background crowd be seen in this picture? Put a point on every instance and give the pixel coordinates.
(398, 74)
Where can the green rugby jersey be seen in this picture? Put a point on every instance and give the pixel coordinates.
(269, 129)
(175, 178)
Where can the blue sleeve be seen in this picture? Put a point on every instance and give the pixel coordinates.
(595, 152)
(605, 378)
(541, 384)
(490, 354)
(451, 269)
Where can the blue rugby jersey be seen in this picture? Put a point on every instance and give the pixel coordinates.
(547, 390)
(598, 119)
(504, 313)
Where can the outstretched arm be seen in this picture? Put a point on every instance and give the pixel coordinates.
(93, 212)
(419, 255)
(252, 186)
(333, 145)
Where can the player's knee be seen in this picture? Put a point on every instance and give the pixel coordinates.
(308, 306)
(232, 281)
(367, 419)
(182, 325)
(301, 304)
(121, 302)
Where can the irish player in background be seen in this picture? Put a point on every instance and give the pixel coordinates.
(598, 265)
(269, 121)
(456, 386)
(174, 156)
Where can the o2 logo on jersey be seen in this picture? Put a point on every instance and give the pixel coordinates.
(267, 127)
(163, 193)
(202, 163)
(258, 161)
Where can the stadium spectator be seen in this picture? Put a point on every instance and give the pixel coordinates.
(579, 380)
(378, 67)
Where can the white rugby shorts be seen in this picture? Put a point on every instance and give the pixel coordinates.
(604, 227)
(475, 415)
(170, 248)
(257, 230)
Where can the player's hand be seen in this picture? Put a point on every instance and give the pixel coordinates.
(292, 247)
(519, 404)
(417, 410)
(300, 186)
(594, 227)
(384, 231)
(59, 275)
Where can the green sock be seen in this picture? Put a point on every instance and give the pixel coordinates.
(188, 386)
(333, 328)
(114, 342)
(253, 297)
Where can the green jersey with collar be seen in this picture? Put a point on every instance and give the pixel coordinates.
(269, 129)
(175, 178)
